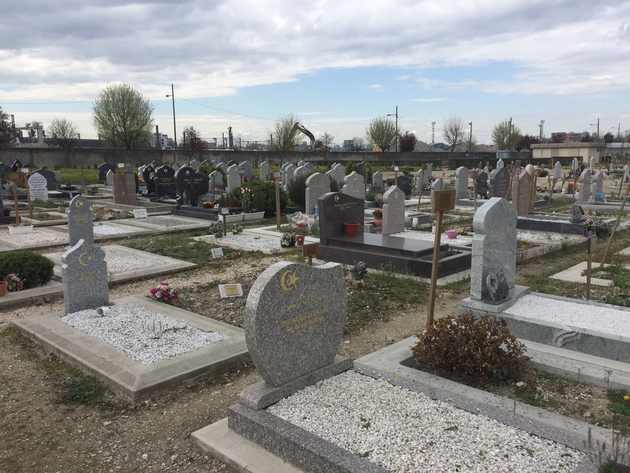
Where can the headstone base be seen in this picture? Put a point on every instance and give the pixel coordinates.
(262, 395)
(480, 308)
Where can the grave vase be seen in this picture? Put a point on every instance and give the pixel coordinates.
(3, 288)
(378, 221)
(352, 228)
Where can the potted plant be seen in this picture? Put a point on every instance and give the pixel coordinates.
(3, 288)
(288, 239)
(378, 217)
(358, 270)
(352, 228)
(20, 229)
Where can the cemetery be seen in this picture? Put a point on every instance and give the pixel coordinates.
(230, 317)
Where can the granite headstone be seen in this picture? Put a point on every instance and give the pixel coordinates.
(585, 186)
(461, 183)
(165, 181)
(377, 179)
(80, 225)
(51, 178)
(109, 178)
(37, 187)
(499, 182)
(263, 170)
(194, 164)
(148, 174)
(85, 280)
(335, 209)
(354, 185)
(102, 171)
(317, 184)
(598, 186)
(248, 168)
(393, 211)
(437, 185)
(233, 178)
(522, 197)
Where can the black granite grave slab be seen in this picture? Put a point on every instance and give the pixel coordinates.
(51, 178)
(405, 184)
(103, 169)
(165, 181)
(335, 209)
(549, 223)
(148, 174)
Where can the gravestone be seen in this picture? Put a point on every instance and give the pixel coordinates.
(248, 168)
(461, 183)
(500, 164)
(51, 179)
(263, 170)
(437, 185)
(215, 163)
(626, 173)
(493, 246)
(335, 209)
(141, 170)
(522, 197)
(482, 185)
(85, 280)
(310, 166)
(233, 178)
(354, 185)
(201, 185)
(598, 187)
(223, 166)
(338, 173)
(102, 171)
(300, 171)
(175, 166)
(190, 185)
(80, 225)
(361, 169)
(129, 168)
(405, 184)
(301, 163)
(16, 166)
(393, 211)
(591, 163)
(165, 182)
(37, 187)
(232, 163)
(557, 171)
(499, 182)
(109, 179)
(377, 179)
(576, 213)
(585, 186)
(317, 184)
(294, 319)
(194, 164)
(215, 180)
(148, 174)
(205, 162)
(421, 179)
(287, 175)
(124, 189)
(575, 165)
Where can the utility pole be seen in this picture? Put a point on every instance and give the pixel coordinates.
(470, 139)
(542, 124)
(174, 123)
(433, 133)
(510, 139)
(389, 115)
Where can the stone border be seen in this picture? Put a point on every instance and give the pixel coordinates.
(210, 239)
(131, 230)
(573, 275)
(172, 265)
(13, 300)
(189, 224)
(128, 378)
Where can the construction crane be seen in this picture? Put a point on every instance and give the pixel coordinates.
(300, 128)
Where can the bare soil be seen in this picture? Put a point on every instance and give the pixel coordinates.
(40, 432)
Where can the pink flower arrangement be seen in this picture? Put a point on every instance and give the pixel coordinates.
(14, 283)
(164, 292)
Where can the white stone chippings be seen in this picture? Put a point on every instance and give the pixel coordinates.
(165, 221)
(120, 261)
(253, 241)
(461, 240)
(407, 432)
(145, 336)
(38, 236)
(109, 230)
(591, 317)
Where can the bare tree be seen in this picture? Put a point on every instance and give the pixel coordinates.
(63, 132)
(382, 132)
(408, 142)
(358, 144)
(191, 140)
(326, 140)
(123, 117)
(506, 135)
(454, 132)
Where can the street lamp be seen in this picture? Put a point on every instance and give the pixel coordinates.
(391, 115)
(174, 124)
(470, 139)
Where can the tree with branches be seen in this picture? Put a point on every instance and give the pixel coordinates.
(325, 141)
(407, 142)
(122, 117)
(454, 132)
(6, 130)
(191, 140)
(358, 144)
(381, 132)
(506, 135)
(63, 132)
(285, 135)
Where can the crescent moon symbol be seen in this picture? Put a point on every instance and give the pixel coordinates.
(79, 203)
(396, 195)
(288, 280)
(337, 198)
(89, 258)
(356, 177)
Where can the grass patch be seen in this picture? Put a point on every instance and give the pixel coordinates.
(85, 390)
(526, 396)
(73, 176)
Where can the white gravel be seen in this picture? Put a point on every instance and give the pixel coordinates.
(145, 336)
(37, 236)
(121, 261)
(591, 317)
(461, 240)
(167, 222)
(101, 229)
(407, 432)
(253, 241)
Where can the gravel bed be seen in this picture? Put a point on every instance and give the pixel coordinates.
(461, 240)
(591, 317)
(253, 241)
(121, 261)
(145, 336)
(406, 432)
(109, 230)
(167, 221)
(37, 236)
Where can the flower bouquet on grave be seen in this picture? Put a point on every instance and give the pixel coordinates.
(358, 270)
(14, 283)
(247, 197)
(236, 229)
(288, 239)
(378, 213)
(600, 227)
(164, 292)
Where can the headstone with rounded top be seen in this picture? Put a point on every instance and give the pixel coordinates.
(461, 183)
(233, 178)
(80, 226)
(557, 171)
(165, 181)
(585, 186)
(521, 193)
(354, 185)
(393, 211)
(85, 279)
(438, 185)
(37, 186)
(499, 182)
(263, 170)
(500, 164)
(287, 175)
(377, 179)
(338, 173)
(598, 186)
(51, 178)
(102, 171)
(301, 171)
(310, 166)
(109, 178)
(317, 184)
(148, 174)
(248, 167)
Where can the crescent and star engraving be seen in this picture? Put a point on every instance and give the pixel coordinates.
(81, 262)
(288, 280)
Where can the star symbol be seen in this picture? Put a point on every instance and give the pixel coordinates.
(292, 279)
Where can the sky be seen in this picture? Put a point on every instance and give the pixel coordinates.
(335, 65)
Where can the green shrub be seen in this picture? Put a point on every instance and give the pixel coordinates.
(370, 196)
(334, 185)
(297, 190)
(32, 268)
(351, 167)
(205, 169)
(258, 201)
(470, 348)
(268, 189)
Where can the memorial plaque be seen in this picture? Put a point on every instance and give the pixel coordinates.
(444, 200)
(165, 181)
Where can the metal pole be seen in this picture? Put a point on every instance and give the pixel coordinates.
(277, 204)
(174, 122)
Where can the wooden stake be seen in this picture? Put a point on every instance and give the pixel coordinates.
(614, 229)
(15, 200)
(514, 172)
(277, 204)
(28, 196)
(434, 268)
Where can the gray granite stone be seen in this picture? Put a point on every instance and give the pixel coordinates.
(215, 180)
(52, 182)
(338, 173)
(493, 246)
(84, 273)
(377, 179)
(301, 171)
(248, 168)
(393, 211)
(499, 182)
(482, 185)
(557, 171)
(223, 166)
(124, 189)
(576, 213)
(500, 164)
(287, 175)
(80, 225)
(317, 185)
(215, 163)
(194, 164)
(38, 187)
(102, 171)
(522, 193)
(585, 186)
(438, 185)
(461, 183)
(598, 186)
(109, 178)
(310, 166)
(263, 170)
(294, 319)
(262, 394)
(233, 178)
(354, 185)
(422, 177)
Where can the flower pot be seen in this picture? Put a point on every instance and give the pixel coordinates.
(3, 288)
(356, 276)
(451, 234)
(300, 240)
(352, 228)
(378, 221)
(20, 230)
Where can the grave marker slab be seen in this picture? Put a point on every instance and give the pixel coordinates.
(598, 187)
(148, 174)
(393, 211)
(585, 186)
(438, 185)
(461, 183)
(377, 179)
(354, 185)
(263, 170)
(248, 168)
(194, 164)
(102, 171)
(522, 193)
(338, 173)
(109, 178)
(233, 178)
(287, 175)
(499, 182)
(80, 225)
(405, 184)
(336, 208)
(165, 181)
(316, 185)
(294, 319)
(51, 179)
(37, 186)
(84, 273)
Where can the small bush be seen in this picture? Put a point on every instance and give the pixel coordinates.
(351, 167)
(470, 348)
(268, 189)
(32, 268)
(334, 185)
(297, 191)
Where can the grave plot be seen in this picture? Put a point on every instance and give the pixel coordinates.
(104, 231)
(128, 264)
(165, 223)
(247, 242)
(39, 238)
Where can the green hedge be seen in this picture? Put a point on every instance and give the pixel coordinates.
(32, 268)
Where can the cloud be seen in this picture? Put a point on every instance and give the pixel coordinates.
(441, 99)
(374, 86)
